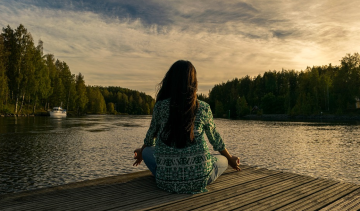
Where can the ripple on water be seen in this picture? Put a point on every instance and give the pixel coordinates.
(49, 152)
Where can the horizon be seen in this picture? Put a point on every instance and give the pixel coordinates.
(133, 44)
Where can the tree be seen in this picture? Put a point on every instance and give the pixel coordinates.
(351, 62)
(81, 94)
(268, 103)
(111, 108)
(68, 82)
(96, 103)
(4, 89)
(346, 82)
(9, 57)
(242, 107)
(58, 94)
(40, 83)
(28, 79)
(146, 108)
(270, 82)
(244, 86)
(53, 75)
(202, 97)
(219, 109)
(303, 105)
(20, 47)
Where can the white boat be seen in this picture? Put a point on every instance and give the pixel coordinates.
(58, 112)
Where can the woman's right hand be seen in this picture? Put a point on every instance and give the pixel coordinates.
(234, 162)
(137, 156)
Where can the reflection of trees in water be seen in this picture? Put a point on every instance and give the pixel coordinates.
(47, 152)
(32, 151)
(42, 151)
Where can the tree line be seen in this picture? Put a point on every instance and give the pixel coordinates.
(315, 90)
(31, 81)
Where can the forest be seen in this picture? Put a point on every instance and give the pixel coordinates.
(316, 90)
(33, 83)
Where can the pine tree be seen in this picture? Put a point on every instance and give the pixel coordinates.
(4, 89)
(82, 98)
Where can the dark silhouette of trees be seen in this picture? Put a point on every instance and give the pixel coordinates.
(328, 88)
(31, 80)
(128, 101)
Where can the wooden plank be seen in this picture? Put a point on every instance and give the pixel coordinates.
(321, 202)
(348, 202)
(70, 198)
(72, 203)
(233, 201)
(250, 189)
(86, 194)
(226, 183)
(95, 182)
(320, 198)
(288, 196)
(62, 195)
(147, 195)
(221, 194)
(175, 197)
(79, 192)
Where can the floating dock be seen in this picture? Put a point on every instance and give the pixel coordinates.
(250, 189)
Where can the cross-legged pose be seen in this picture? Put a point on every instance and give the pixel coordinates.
(174, 149)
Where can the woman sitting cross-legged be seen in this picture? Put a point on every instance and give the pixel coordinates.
(174, 149)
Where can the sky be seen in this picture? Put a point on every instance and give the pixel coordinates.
(133, 43)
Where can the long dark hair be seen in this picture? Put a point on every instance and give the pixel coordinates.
(180, 85)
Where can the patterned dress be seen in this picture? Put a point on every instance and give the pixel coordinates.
(185, 170)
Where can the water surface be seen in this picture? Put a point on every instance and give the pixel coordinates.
(38, 152)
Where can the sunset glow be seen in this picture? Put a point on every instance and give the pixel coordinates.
(133, 43)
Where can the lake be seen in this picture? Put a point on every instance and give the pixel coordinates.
(38, 152)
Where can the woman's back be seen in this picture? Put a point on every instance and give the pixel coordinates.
(184, 170)
(174, 149)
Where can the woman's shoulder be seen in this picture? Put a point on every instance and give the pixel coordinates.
(162, 102)
(203, 105)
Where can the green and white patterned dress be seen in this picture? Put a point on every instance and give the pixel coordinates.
(185, 170)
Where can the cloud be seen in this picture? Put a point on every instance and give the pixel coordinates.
(150, 12)
(133, 43)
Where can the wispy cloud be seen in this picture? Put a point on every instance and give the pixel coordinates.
(133, 43)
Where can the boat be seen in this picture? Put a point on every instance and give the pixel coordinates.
(58, 112)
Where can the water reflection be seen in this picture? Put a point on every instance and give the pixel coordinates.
(327, 150)
(41, 151)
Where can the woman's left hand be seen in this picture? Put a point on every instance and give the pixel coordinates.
(234, 162)
(138, 156)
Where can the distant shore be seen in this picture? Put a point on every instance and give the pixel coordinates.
(44, 113)
(330, 117)
(20, 115)
(279, 117)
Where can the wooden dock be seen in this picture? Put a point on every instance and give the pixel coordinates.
(250, 189)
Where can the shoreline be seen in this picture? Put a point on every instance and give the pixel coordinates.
(271, 117)
(286, 117)
(42, 114)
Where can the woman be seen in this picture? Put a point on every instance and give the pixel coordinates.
(174, 149)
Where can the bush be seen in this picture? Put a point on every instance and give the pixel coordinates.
(5, 111)
(242, 107)
(268, 103)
